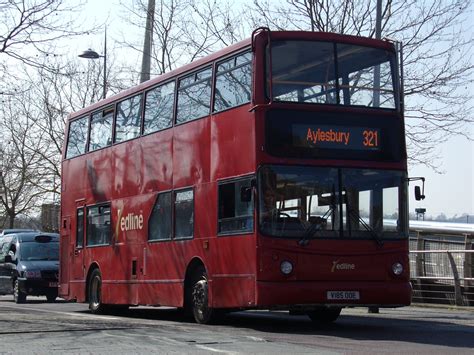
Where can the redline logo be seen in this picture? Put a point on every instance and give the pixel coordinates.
(130, 222)
(342, 266)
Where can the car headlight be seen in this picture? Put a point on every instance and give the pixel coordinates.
(32, 274)
(286, 267)
(397, 269)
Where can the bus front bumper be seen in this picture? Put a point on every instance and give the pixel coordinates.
(333, 293)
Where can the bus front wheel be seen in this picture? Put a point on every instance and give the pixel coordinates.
(201, 311)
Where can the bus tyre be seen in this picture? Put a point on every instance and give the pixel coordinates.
(324, 315)
(201, 311)
(95, 284)
(18, 296)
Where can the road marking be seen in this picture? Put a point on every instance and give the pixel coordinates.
(255, 338)
(203, 347)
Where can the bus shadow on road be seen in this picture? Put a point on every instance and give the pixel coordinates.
(440, 332)
(451, 331)
(35, 300)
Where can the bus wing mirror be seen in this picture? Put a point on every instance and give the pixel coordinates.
(8, 259)
(419, 192)
(418, 195)
(246, 193)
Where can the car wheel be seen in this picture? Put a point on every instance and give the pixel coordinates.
(94, 287)
(51, 297)
(18, 296)
(324, 315)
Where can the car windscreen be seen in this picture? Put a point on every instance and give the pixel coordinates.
(30, 251)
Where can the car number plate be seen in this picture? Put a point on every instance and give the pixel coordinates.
(53, 284)
(343, 295)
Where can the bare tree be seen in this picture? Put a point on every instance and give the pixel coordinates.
(27, 31)
(29, 27)
(184, 30)
(437, 56)
(20, 172)
(56, 95)
(38, 112)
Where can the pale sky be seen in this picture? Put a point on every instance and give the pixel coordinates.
(451, 193)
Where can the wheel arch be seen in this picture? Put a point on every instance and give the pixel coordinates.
(92, 267)
(195, 264)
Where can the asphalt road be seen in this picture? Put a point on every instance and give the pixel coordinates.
(43, 328)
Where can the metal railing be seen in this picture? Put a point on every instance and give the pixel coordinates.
(441, 268)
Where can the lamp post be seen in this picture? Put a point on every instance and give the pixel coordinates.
(90, 54)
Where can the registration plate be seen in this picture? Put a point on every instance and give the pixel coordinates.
(343, 295)
(53, 284)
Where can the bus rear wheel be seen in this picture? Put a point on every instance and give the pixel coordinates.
(324, 315)
(199, 299)
(95, 285)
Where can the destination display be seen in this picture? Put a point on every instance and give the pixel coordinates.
(336, 137)
(361, 136)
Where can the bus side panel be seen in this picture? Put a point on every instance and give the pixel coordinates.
(233, 291)
(205, 212)
(75, 179)
(167, 261)
(127, 168)
(191, 153)
(119, 292)
(233, 271)
(64, 250)
(232, 143)
(165, 267)
(77, 290)
(119, 285)
(157, 167)
(162, 293)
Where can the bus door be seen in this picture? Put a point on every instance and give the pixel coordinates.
(77, 271)
(65, 256)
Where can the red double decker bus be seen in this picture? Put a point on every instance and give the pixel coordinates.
(269, 175)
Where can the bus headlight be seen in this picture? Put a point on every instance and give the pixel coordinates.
(286, 267)
(397, 269)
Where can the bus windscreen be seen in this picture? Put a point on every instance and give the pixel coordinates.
(338, 74)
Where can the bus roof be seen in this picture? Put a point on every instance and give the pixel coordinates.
(162, 78)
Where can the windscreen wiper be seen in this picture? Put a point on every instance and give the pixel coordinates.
(357, 217)
(316, 227)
